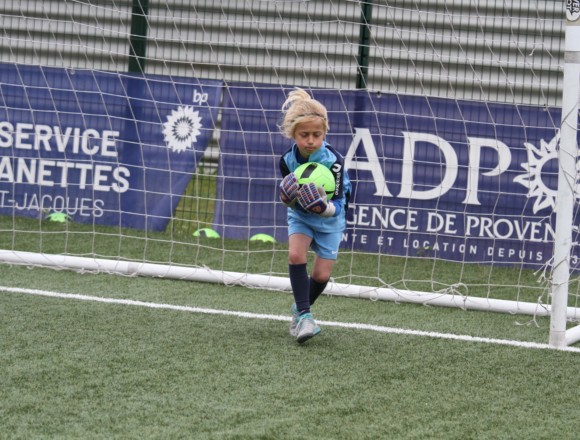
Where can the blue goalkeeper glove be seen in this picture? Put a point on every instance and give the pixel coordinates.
(313, 199)
(289, 189)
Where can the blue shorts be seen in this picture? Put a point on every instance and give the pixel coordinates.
(324, 244)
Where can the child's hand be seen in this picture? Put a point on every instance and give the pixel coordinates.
(289, 189)
(314, 200)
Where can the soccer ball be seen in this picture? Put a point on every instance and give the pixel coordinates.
(317, 173)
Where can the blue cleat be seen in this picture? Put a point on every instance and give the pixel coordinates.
(306, 328)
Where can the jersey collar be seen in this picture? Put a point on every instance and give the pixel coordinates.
(313, 157)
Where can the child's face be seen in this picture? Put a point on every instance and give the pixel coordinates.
(309, 136)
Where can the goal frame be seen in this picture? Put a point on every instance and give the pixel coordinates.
(560, 256)
(560, 336)
(276, 283)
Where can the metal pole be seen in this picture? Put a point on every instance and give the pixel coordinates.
(138, 41)
(567, 159)
(364, 46)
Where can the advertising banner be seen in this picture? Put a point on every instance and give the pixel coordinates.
(456, 180)
(100, 147)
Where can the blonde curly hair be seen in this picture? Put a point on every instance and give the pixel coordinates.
(300, 107)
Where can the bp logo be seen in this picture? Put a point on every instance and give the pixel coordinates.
(182, 128)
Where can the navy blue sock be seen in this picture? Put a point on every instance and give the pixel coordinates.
(300, 286)
(316, 289)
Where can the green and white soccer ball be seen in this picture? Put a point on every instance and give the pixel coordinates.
(317, 173)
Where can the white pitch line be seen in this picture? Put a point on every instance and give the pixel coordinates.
(369, 327)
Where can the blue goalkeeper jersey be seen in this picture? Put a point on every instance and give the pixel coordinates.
(334, 161)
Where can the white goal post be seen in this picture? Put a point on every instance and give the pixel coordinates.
(278, 283)
(567, 183)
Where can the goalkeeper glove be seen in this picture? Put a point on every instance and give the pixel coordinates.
(313, 199)
(289, 189)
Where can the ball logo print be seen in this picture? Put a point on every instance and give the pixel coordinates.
(317, 173)
(182, 128)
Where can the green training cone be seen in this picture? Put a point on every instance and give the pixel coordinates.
(206, 232)
(263, 237)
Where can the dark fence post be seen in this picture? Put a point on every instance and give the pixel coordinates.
(138, 42)
(364, 46)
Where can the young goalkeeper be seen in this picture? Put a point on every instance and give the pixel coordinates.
(314, 221)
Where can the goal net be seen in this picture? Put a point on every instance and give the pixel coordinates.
(141, 137)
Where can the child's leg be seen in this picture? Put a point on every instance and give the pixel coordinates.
(297, 256)
(326, 247)
(300, 287)
(321, 272)
(316, 289)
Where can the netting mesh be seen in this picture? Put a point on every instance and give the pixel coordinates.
(447, 112)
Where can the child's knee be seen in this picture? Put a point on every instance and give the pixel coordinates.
(296, 257)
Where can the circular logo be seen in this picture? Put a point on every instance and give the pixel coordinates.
(182, 128)
(572, 9)
(538, 158)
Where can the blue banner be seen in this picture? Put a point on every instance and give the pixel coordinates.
(104, 148)
(455, 180)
